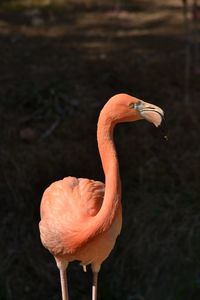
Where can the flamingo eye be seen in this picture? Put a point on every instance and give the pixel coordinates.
(131, 105)
(136, 105)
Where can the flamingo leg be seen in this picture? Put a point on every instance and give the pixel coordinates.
(62, 266)
(64, 286)
(94, 285)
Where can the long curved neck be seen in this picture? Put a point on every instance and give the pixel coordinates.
(112, 197)
(109, 159)
(108, 155)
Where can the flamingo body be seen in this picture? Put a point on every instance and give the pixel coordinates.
(66, 206)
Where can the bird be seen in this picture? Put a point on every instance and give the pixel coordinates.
(82, 218)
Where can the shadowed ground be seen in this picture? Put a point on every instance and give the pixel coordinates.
(59, 65)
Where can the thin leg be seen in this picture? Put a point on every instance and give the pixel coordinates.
(64, 287)
(94, 285)
(62, 266)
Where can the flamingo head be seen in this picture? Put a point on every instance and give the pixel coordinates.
(125, 108)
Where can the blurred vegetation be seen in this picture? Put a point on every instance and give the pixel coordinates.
(59, 65)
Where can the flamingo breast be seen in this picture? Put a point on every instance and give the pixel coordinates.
(66, 205)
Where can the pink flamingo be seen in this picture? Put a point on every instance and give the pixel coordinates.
(81, 218)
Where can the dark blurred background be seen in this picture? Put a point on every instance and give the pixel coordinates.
(60, 61)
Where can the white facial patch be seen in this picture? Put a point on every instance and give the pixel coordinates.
(149, 112)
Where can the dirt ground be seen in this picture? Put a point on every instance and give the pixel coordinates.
(58, 65)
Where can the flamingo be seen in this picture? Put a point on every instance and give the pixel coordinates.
(81, 218)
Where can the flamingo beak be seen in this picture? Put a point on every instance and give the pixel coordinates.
(150, 112)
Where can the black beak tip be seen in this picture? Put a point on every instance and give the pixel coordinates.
(163, 130)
